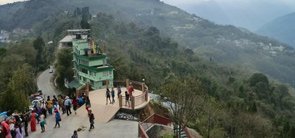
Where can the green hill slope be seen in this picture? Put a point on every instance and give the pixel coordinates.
(224, 44)
(205, 38)
(281, 28)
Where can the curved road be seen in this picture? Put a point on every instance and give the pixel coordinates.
(44, 83)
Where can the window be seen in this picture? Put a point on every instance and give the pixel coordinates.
(104, 83)
(84, 71)
(83, 62)
(105, 74)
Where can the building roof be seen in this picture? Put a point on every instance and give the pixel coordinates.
(74, 84)
(78, 31)
(66, 39)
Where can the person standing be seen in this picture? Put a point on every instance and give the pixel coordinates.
(91, 119)
(75, 135)
(68, 103)
(75, 104)
(44, 111)
(87, 103)
(42, 123)
(119, 91)
(49, 105)
(18, 131)
(61, 103)
(127, 99)
(25, 120)
(108, 96)
(130, 90)
(33, 121)
(6, 129)
(113, 95)
(57, 118)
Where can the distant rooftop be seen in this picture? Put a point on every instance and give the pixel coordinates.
(76, 31)
(68, 38)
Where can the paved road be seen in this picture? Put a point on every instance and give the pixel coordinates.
(114, 128)
(44, 83)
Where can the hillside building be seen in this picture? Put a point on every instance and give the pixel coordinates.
(90, 63)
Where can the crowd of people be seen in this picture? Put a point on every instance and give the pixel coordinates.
(17, 124)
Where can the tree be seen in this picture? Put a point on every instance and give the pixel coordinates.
(64, 67)
(39, 46)
(258, 77)
(23, 80)
(185, 100)
(2, 52)
(86, 16)
(19, 87)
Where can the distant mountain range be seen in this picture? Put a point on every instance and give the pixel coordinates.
(281, 28)
(226, 45)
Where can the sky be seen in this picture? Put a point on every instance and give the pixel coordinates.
(8, 1)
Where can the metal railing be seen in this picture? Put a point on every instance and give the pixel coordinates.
(149, 122)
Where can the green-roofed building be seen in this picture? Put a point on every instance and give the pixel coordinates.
(90, 64)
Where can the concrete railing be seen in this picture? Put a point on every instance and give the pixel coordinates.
(134, 100)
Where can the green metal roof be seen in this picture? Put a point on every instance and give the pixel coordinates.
(91, 57)
(74, 84)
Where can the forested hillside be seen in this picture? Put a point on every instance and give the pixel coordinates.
(235, 102)
(221, 44)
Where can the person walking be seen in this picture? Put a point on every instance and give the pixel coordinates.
(57, 118)
(91, 119)
(113, 95)
(75, 134)
(33, 121)
(108, 96)
(68, 103)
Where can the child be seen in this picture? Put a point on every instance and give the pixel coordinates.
(42, 123)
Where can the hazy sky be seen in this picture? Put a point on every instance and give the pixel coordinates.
(8, 1)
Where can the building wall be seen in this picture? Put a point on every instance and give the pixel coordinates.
(96, 62)
(98, 80)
